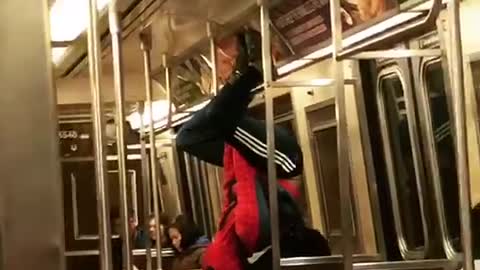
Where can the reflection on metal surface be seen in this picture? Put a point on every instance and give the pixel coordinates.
(394, 159)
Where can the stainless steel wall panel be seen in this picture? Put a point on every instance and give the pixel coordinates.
(30, 186)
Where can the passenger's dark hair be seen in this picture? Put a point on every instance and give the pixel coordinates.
(188, 229)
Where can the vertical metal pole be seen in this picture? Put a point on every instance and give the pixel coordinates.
(118, 84)
(272, 174)
(208, 190)
(190, 180)
(213, 57)
(342, 135)
(199, 188)
(458, 89)
(169, 90)
(103, 211)
(146, 186)
(146, 46)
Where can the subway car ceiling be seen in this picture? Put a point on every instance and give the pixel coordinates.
(180, 31)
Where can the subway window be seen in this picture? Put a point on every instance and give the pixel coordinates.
(400, 162)
(442, 124)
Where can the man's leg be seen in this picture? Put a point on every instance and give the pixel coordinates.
(198, 138)
(249, 138)
(204, 135)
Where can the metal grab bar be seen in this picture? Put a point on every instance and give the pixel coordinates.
(146, 186)
(146, 46)
(166, 252)
(448, 246)
(119, 91)
(103, 211)
(407, 265)
(168, 88)
(269, 117)
(458, 96)
(318, 260)
(397, 53)
(342, 136)
(188, 170)
(398, 34)
(213, 57)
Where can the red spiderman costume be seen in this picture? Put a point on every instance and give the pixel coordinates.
(244, 226)
(240, 225)
(222, 134)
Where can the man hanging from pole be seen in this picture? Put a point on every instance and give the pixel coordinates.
(222, 134)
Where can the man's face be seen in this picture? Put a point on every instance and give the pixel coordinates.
(152, 228)
(117, 226)
(227, 52)
(176, 238)
(132, 225)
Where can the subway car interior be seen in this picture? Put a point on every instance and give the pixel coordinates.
(381, 98)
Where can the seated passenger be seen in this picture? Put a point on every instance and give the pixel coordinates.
(138, 237)
(152, 231)
(188, 242)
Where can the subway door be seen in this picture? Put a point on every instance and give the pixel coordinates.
(167, 172)
(398, 159)
(79, 187)
(436, 123)
(322, 127)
